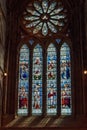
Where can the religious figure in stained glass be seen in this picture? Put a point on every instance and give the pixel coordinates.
(23, 89)
(23, 101)
(37, 81)
(51, 80)
(65, 68)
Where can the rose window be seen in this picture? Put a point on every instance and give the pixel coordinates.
(45, 17)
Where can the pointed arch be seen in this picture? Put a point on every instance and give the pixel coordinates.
(37, 80)
(51, 80)
(65, 79)
(23, 82)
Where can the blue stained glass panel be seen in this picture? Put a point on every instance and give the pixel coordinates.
(45, 5)
(31, 41)
(51, 80)
(23, 84)
(37, 81)
(65, 72)
(58, 40)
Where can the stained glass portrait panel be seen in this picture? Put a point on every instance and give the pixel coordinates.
(23, 84)
(65, 75)
(51, 80)
(37, 81)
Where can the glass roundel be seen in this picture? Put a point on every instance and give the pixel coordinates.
(44, 17)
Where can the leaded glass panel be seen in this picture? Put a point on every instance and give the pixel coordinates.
(51, 80)
(23, 84)
(65, 71)
(44, 17)
(37, 81)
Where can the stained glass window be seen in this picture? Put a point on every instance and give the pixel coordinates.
(45, 17)
(51, 80)
(65, 70)
(23, 84)
(37, 80)
(45, 87)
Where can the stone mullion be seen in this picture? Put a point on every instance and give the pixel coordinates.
(44, 84)
(58, 84)
(30, 81)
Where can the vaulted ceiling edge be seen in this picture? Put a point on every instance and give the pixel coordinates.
(14, 5)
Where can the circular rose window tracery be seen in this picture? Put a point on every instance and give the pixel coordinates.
(44, 17)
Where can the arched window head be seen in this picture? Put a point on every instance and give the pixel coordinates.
(44, 17)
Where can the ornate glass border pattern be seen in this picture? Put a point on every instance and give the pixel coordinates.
(44, 17)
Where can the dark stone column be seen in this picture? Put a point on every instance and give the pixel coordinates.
(10, 63)
(77, 61)
(85, 55)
